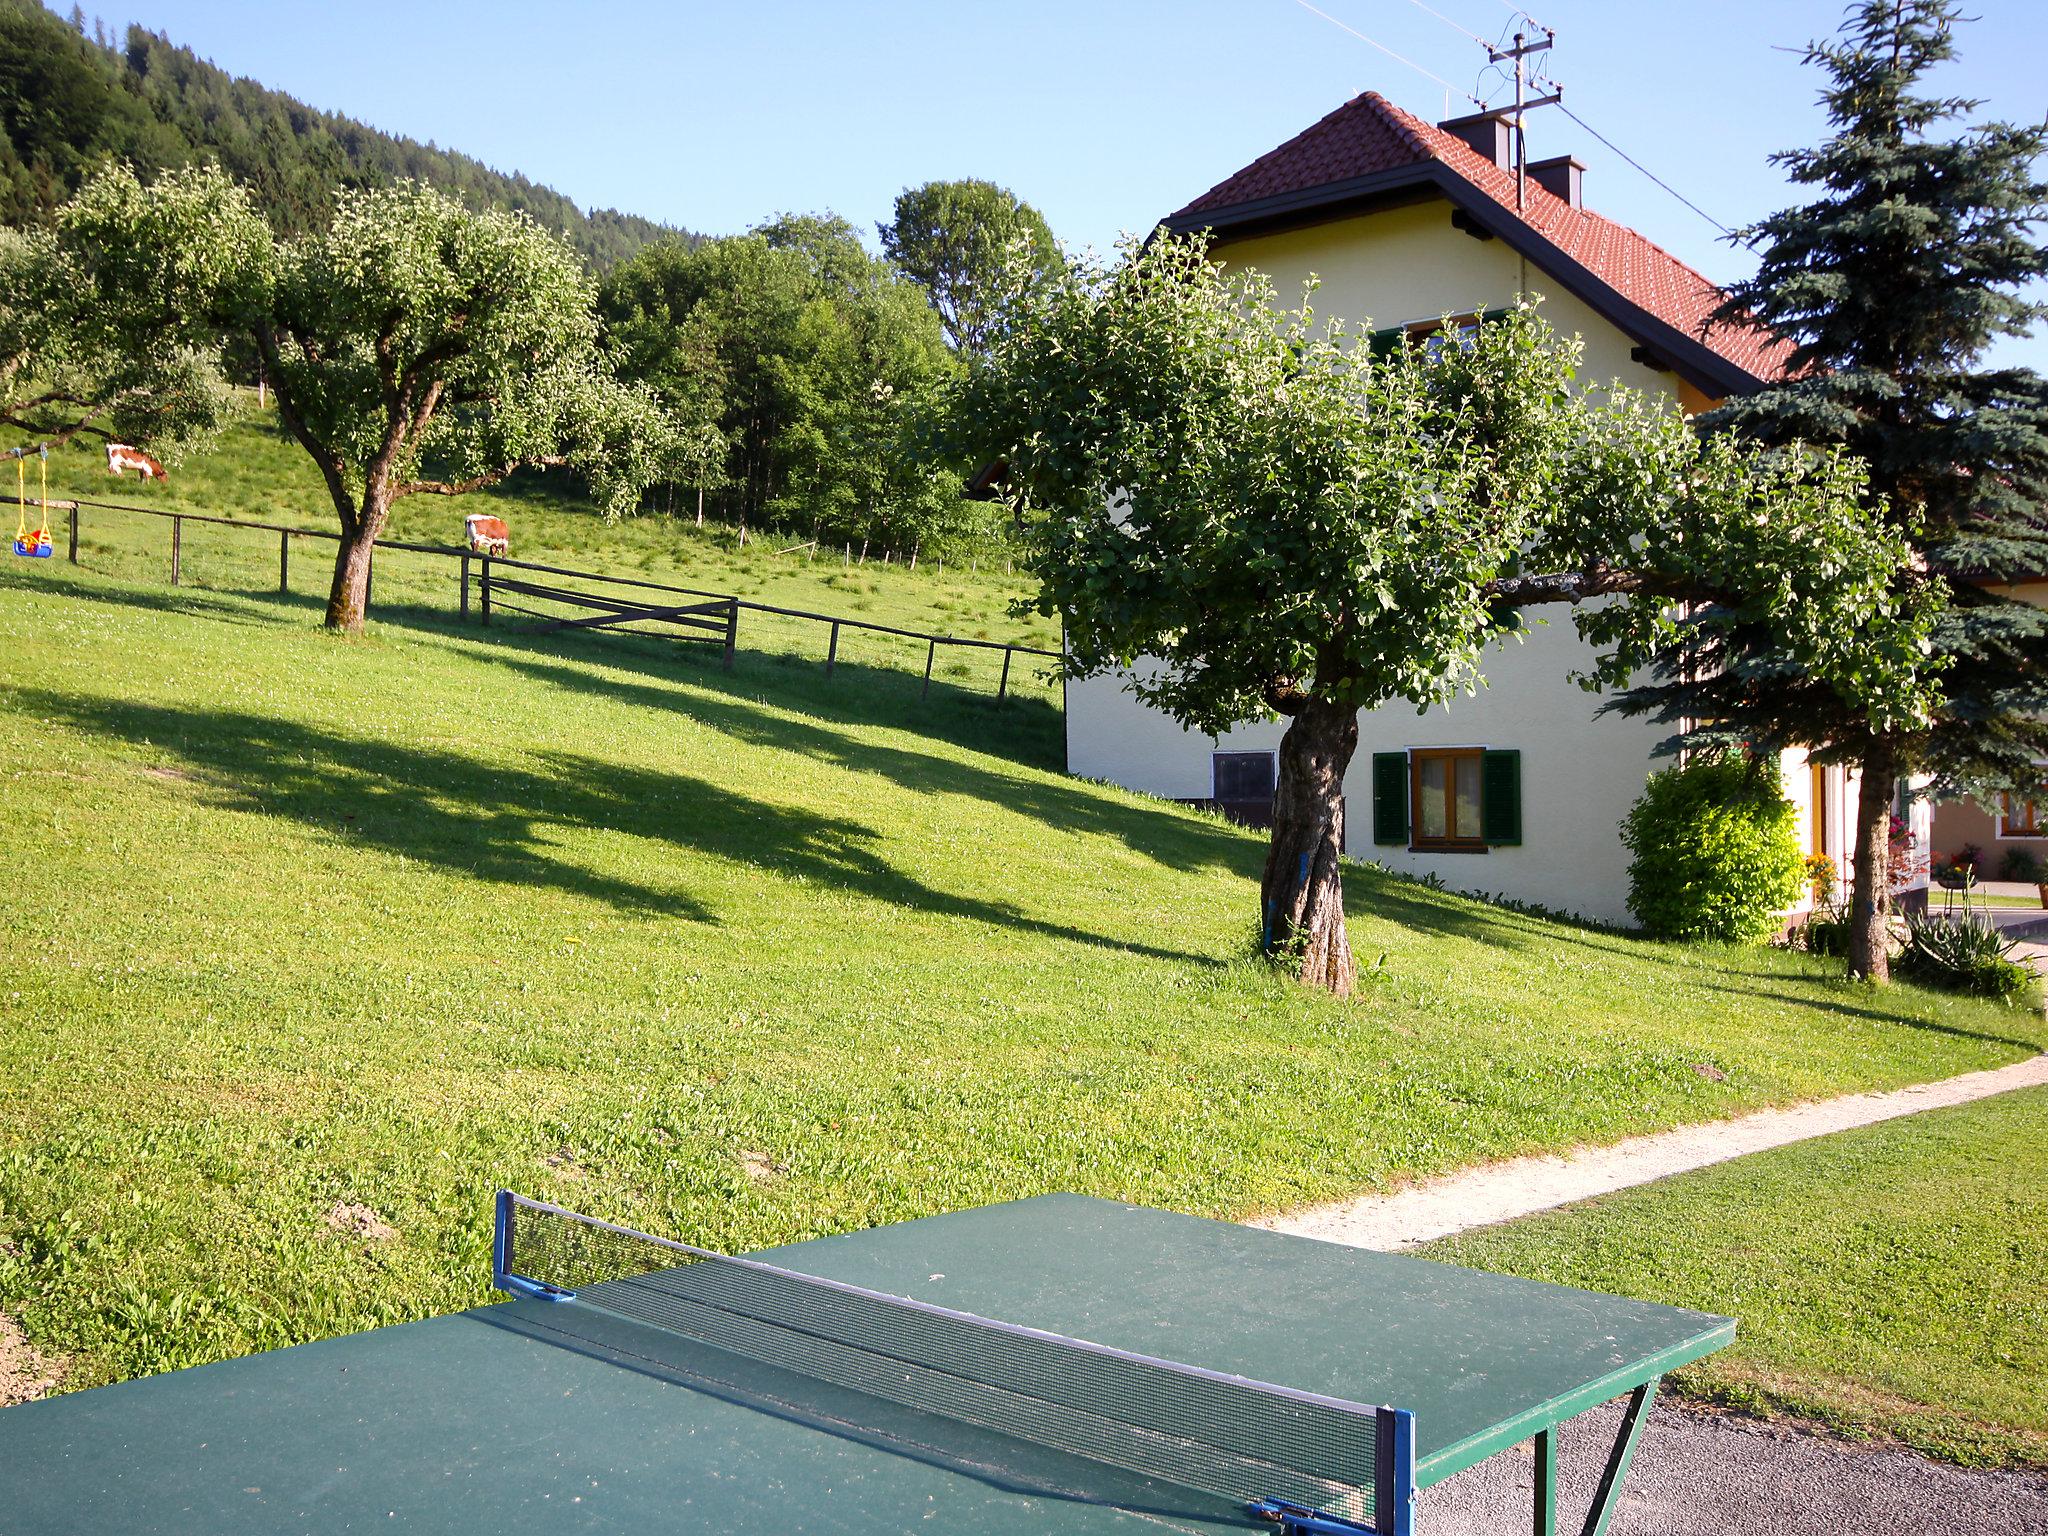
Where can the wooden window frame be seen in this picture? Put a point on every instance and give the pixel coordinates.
(2034, 826)
(1418, 331)
(1457, 841)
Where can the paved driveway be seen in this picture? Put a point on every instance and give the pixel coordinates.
(1698, 1474)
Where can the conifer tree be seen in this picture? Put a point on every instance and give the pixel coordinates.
(1889, 288)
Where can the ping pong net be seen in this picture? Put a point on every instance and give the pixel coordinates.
(1311, 1463)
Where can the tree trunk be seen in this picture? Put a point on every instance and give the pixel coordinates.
(1301, 898)
(348, 598)
(1870, 904)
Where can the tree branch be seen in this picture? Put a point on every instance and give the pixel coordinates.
(294, 420)
(476, 482)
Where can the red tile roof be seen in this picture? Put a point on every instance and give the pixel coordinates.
(1369, 135)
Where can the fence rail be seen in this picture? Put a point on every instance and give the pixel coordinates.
(714, 617)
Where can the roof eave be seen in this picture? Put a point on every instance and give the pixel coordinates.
(1687, 356)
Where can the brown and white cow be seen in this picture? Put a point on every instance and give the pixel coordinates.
(121, 458)
(488, 535)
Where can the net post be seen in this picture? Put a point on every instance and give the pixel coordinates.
(1393, 1486)
(501, 1240)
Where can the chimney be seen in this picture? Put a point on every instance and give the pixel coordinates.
(1486, 133)
(1560, 177)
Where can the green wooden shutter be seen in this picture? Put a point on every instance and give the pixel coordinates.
(1390, 797)
(1500, 797)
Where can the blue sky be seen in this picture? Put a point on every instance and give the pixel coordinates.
(1104, 113)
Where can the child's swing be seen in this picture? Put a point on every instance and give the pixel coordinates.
(36, 545)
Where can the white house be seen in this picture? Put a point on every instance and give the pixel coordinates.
(1518, 791)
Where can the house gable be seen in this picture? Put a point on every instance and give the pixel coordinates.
(1369, 157)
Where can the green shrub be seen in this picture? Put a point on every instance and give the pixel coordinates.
(2023, 865)
(1963, 955)
(1716, 856)
(1826, 932)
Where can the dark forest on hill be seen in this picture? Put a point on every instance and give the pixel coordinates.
(73, 98)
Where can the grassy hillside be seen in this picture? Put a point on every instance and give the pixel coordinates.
(313, 942)
(257, 474)
(1889, 1280)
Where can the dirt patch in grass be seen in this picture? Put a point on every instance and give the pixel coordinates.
(760, 1167)
(25, 1372)
(347, 1218)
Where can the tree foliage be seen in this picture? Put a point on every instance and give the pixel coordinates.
(109, 315)
(72, 103)
(960, 240)
(414, 346)
(1255, 513)
(1889, 284)
(813, 360)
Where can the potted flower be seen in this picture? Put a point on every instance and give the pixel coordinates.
(1956, 871)
(2024, 866)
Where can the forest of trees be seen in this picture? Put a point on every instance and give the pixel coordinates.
(73, 98)
(794, 365)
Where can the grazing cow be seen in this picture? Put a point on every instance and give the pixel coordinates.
(121, 457)
(488, 535)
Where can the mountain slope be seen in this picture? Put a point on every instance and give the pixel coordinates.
(70, 102)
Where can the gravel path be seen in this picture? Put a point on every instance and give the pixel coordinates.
(1502, 1191)
(1698, 1474)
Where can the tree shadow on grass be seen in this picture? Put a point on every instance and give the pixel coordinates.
(197, 602)
(493, 820)
(1419, 909)
(1024, 729)
(762, 710)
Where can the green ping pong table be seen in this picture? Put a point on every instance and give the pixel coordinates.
(1059, 1364)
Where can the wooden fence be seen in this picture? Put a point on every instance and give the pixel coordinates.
(706, 615)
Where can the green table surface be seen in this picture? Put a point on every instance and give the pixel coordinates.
(495, 1420)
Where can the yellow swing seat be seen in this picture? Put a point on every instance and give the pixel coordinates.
(32, 545)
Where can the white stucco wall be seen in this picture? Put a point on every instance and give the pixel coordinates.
(1579, 774)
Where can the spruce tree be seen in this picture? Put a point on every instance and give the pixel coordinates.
(1889, 288)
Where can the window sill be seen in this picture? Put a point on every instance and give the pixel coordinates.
(1449, 848)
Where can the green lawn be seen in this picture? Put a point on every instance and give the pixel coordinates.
(1891, 1280)
(298, 923)
(256, 474)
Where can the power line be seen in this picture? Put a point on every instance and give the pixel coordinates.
(1660, 181)
(1454, 26)
(1383, 48)
(1494, 48)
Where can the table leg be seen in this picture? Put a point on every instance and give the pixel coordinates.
(1608, 1494)
(1546, 1483)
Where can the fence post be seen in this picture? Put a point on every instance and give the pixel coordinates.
(465, 586)
(1003, 688)
(930, 651)
(732, 632)
(284, 561)
(484, 591)
(177, 546)
(832, 650)
(74, 533)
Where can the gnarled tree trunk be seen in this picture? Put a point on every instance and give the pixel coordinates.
(1301, 897)
(348, 598)
(1870, 904)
